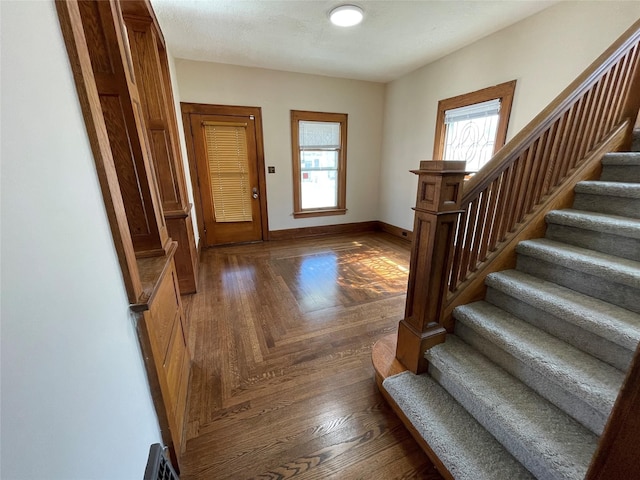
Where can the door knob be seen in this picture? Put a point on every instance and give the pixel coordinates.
(255, 192)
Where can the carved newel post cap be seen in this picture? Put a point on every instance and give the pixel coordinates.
(440, 185)
(441, 166)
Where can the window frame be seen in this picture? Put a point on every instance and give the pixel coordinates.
(503, 92)
(340, 208)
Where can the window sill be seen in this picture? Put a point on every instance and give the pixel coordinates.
(323, 212)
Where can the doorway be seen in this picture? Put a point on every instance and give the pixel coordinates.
(226, 156)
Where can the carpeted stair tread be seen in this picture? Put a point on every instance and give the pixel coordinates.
(635, 141)
(467, 450)
(587, 378)
(608, 267)
(631, 159)
(621, 167)
(598, 222)
(602, 232)
(611, 189)
(616, 324)
(542, 437)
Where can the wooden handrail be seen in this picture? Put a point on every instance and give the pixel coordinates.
(462, 233)
(454, 250)
(540, 157)
(548, 115)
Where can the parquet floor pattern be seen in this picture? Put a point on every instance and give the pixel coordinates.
(282, 384)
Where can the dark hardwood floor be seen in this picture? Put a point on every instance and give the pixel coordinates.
(282, 383)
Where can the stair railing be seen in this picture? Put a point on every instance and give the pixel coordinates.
(466, 230)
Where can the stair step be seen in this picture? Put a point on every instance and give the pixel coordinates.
(629, 159)
(583, 386)
(601, 329)
(611, 234)
(621, 167)
(467, 450)
(615, 198)
(635, 141)
(607, 277)
(543, 438)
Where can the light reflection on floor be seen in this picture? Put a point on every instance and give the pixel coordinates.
(356, 274)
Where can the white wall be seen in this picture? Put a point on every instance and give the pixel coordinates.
(183, 145)
(544, 53)
(279, 92)
(75, 400)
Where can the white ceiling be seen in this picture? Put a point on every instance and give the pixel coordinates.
(395, 38)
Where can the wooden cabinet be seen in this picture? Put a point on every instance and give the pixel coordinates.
(150, 64)
(119, 62)
(162, 332)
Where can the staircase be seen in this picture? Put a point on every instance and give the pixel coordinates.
(524, 386)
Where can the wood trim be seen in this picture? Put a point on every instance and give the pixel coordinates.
(80, 62)
(224, 110)
(383, 357)
(337, 229)
(193, 168)
(343, 119)
(144, 337)
(293, 233)
(143, 10)
(102, 66)
(320, 212)
(617, 453)
(152, 272)
(183, 213)
(401, 233)
(503, 91)
(437, 212)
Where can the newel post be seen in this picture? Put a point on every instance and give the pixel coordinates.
(436, 214)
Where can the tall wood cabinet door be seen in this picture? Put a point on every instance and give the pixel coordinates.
(151, 67)
(119, 99)
(172, 359)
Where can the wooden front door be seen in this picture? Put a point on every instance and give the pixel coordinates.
(226, 156)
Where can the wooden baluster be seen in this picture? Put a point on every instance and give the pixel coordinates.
(545, 161)
(503, 208)
(632, 97)
(627, 68)
(539, 169)
(606, 123)
(503, 181)
(596, 119)
(588, 115)
(490, 220)
(436, 214)
(457, 255)
(472, 222)
(576, 130)
(479, 234)
(525, 186)
(514, 192)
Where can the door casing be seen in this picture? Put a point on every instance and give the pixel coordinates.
(189, 109)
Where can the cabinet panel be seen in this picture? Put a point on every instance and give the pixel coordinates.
(164, 327)
(127, 135)
(185, 377)
(173, 364)
(164, 311)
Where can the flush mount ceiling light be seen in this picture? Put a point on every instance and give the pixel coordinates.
(346, 15)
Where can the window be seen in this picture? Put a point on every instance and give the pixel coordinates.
(473, 126)
(319, 147)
